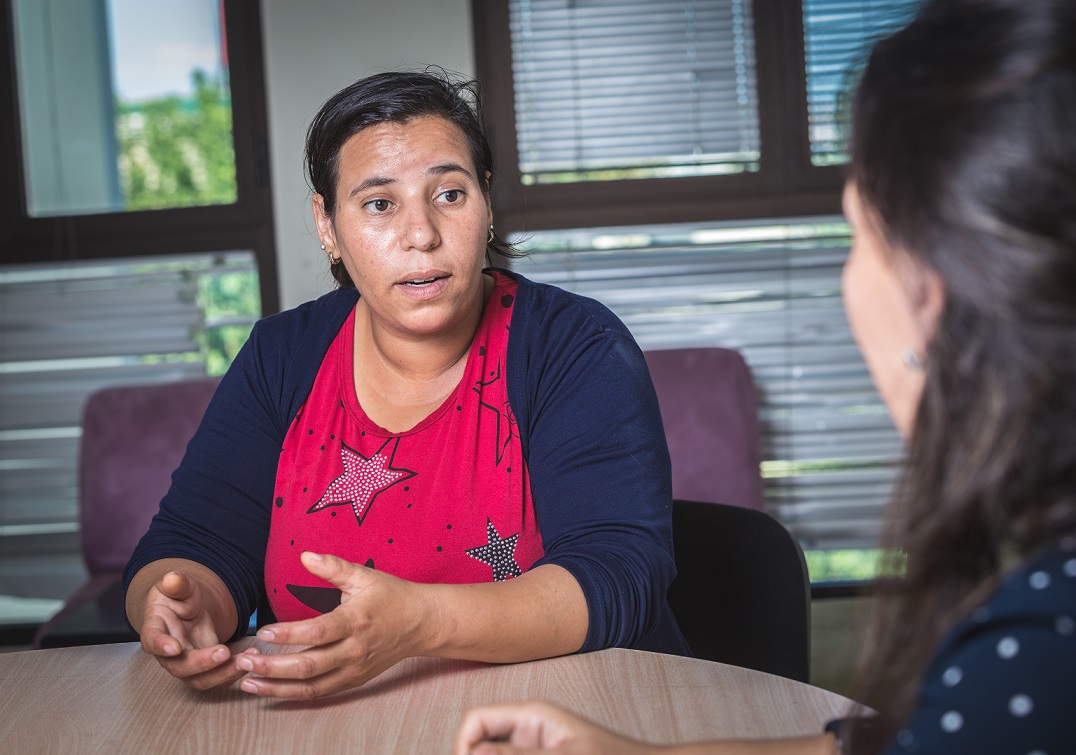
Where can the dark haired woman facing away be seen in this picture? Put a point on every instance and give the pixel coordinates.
(961, 292)
(437, 458)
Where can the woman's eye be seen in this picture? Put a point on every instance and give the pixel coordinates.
(378, 205)
(452, 196)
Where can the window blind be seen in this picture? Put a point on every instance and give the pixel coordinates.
(66, 331)
(773, 292)
(610, 89)
(837, 36)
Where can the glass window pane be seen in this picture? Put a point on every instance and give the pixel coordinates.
(610, 90)
(837, 35)
(124, 105)
(66, 331)
(770, 289)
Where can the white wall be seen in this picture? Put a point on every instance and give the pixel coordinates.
(313, 48)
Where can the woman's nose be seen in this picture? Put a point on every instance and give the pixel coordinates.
(420, 230)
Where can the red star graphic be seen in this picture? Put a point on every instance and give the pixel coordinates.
(362, 480)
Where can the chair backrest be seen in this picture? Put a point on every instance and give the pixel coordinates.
(133, 437)
(709, 410)
(741, 593)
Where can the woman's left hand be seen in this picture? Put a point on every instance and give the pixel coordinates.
(537, 727)
(380, 621)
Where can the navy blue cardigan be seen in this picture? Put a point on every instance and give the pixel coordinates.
(591, 433)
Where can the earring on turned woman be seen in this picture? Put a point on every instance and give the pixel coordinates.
(490, 239)
(911, 359)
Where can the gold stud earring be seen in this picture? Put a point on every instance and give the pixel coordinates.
(329, 253)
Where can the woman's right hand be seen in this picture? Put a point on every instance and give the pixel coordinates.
(179, 630)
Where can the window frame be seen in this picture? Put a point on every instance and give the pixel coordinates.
(787, 183)
(246, 224)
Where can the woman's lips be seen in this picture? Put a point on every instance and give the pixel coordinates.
(423, 285)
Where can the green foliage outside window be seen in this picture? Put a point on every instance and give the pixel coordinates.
(231, 302)
(852, 565)
(178, 152)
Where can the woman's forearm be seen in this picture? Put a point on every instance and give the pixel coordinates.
(540, 614)
(219, 602)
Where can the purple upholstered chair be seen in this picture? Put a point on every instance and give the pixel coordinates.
(708, 407)
(133, 437)
(730, 561)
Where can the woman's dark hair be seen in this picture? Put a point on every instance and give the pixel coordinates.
(395, 97)
(964, 153)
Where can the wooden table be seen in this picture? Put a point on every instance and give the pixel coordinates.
(114, 698)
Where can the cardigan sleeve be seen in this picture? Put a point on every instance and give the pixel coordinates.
(218, 508)
(598, 462)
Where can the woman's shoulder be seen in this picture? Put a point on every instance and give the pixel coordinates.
(316, 318)
(550, 310)
(1038, 595)
(339, 301)
(1044, 584)
(1001, 680)
(1030, 615)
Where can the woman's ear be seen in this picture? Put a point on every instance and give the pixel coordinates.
(926, 290)
(323, 222)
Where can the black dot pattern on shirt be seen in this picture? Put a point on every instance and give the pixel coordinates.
(279, 502)
(506, 301)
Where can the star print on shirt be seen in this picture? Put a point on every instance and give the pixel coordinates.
(507, 417)
(362, 480)
(498, 554)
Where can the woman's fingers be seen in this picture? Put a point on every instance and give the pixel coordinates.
(367, 633)
(334, 681)
(522, 725)
(306, 664)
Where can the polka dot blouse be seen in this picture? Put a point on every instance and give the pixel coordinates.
(1004, 679)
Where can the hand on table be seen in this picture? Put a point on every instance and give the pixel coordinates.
(537, 727)
(178, 629)
(379, 622)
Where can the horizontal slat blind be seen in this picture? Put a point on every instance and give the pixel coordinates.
(772, 292)
(639, 88)
(66, 331)
(837, 36)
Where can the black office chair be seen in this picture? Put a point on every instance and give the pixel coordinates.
(741, 594)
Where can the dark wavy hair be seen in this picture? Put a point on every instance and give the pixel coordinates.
(395, 97)
(964, 151)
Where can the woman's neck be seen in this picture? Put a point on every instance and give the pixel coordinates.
(401, 378)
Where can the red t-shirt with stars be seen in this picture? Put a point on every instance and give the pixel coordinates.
(448, 501)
